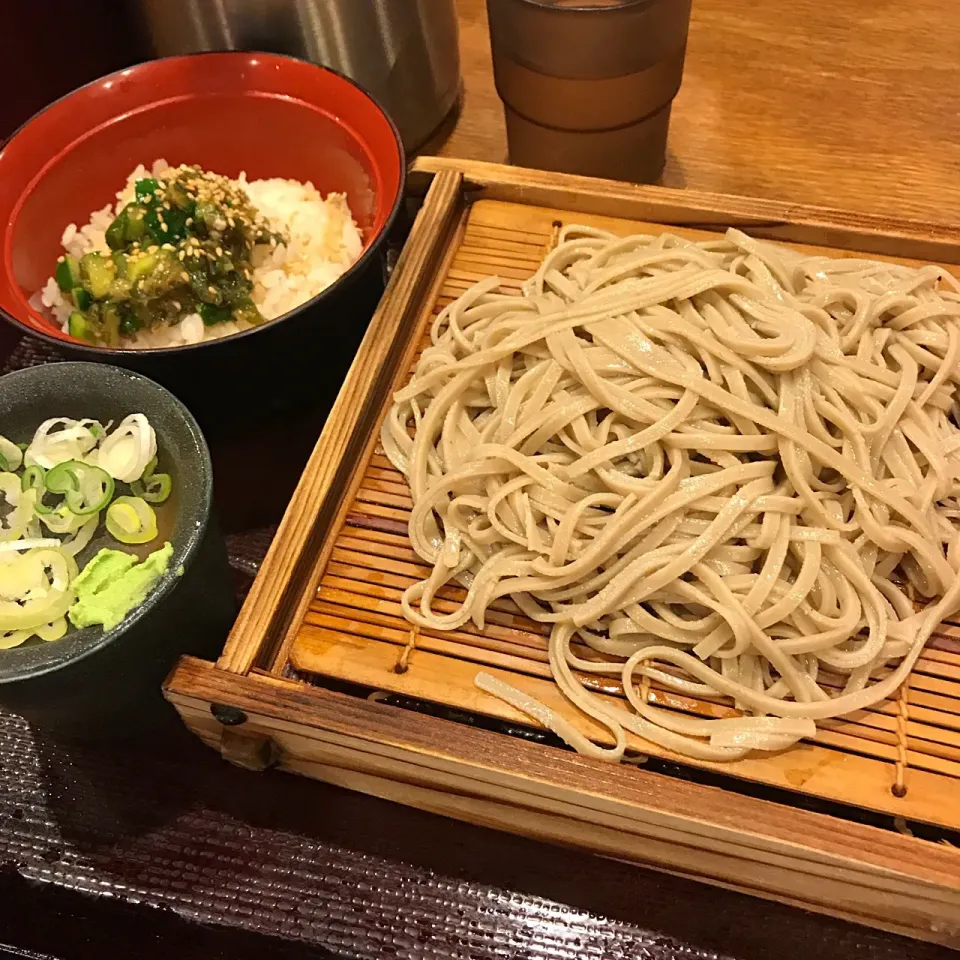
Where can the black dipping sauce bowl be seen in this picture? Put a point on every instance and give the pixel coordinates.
(96, 684)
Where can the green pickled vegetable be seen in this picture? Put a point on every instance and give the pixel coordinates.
(247, 311)
(135, 227)
(116, 232)
(68, 273)
(183, 246)
(97, 273)
(211, 314)
(129, 321)
(78, 326)
(146, 188)
(110, 324)
(81, 298)
(141, 266)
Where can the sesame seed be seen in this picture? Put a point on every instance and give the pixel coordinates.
(181, 254)
(219, 251)
(164, 227)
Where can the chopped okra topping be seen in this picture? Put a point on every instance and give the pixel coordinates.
(184, 245)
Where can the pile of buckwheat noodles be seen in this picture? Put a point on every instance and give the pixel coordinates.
(726, 467)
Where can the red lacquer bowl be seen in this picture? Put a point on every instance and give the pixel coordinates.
(268, 115)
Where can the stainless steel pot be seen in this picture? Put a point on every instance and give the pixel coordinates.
(403, 51)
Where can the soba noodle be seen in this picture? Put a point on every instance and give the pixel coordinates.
(725, 466)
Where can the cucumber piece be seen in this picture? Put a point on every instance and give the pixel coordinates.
(116, 231)
(97, 273)
(81, 298)
(78, 327)
(142, 266)
(68, 273)
(120, 290)
(110, 316)
(135, 228)
(120, 262)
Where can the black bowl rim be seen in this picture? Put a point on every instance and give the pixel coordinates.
(184, 553)
(373, 248)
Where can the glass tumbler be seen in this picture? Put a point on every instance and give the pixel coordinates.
(587, 85)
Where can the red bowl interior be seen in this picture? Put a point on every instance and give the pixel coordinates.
(268, 115)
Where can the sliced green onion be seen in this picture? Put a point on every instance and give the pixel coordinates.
(53, 630)
(62, 520)
(80, 461)
(14, 525)
(61, 438)
(154, 489)
(13, 638)
(33, 479)
(13, 546)
(81, 537)
(35, 612)
(125, 453)
(131, 520)
(11, 456)
(63, 477)
(86, 489)
(40, 580)
(96, 491)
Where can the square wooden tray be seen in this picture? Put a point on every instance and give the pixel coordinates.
(322, 676)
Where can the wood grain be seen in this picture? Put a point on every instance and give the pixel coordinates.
(477, 219)
(277, 597)
(879, 235)
(354, 629)
(842, 105)
(816, 861)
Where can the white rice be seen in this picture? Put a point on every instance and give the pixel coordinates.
(324, 242)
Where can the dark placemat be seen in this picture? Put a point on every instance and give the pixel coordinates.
(169, 824)
(166, 824)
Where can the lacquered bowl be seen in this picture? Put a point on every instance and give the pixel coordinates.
(93, 683)
(268, 115)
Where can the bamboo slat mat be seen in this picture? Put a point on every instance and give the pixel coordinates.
(901, 757)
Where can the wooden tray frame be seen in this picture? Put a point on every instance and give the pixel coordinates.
(249, 708)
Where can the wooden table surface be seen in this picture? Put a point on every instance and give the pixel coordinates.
(853, 104)
(840, 104)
